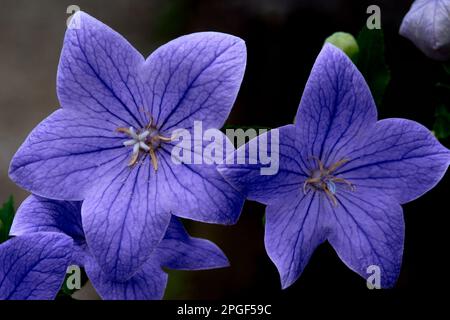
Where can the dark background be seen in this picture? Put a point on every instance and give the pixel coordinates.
(283, 40)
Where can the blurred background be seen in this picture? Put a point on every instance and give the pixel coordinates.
(283, 40)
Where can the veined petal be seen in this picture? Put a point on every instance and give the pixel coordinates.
(336, 108)
(38, 214)
(368, 232)
(294, 228)
(65, 154)
(33, 267)
(399, 156)
(98, 73)
(427, 25)
(207, 197)
(149, 283)
(124, 220)
(205, 194)
(246, 172)
(180, 251)
(194, 78)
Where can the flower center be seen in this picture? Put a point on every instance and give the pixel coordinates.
(323, 179)
(144, 142)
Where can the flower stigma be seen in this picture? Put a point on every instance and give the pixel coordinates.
(322, 179)
(144, 142)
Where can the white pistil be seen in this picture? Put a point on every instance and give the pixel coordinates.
(144, 146)
(147, 141)
(144, 135)
(138, 141)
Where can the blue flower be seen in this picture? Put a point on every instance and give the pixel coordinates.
(342, 176)
(109, 144)
(49, 238)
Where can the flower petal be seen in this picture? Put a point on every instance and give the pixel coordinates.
(399, 156)
(427, 24)
(294, 229)
(245, 169)
(66, 154)
(149, 283)
(124, 220)
(33, 267)
(368, 230)
(336, 107)
(198, 191)
(38, 214)
(181, 252)
(194, 77)
(98, 73)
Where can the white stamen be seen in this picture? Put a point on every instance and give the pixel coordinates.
(144, 135)
(140, 141)
(129, 143)
(143, 146)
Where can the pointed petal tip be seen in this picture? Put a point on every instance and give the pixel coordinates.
(221, 260)
(285, 284)
(179, 251)
(226, 263)
(287, 279)
(81, 14)
(330, 49)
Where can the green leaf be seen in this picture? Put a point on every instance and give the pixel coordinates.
(442, 125)
(371, 62)
(6, 219)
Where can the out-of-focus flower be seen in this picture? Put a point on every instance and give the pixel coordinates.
(427, 24)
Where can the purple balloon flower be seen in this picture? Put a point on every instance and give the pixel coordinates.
(427, 24)
(109, 145)
(62, 219)
(342, 176)
(33, 266)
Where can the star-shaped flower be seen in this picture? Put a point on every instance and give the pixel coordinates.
(110, 143)
(342, 176)
(37, 218)
(427, 24)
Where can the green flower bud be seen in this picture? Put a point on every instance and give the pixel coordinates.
(346, 42)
